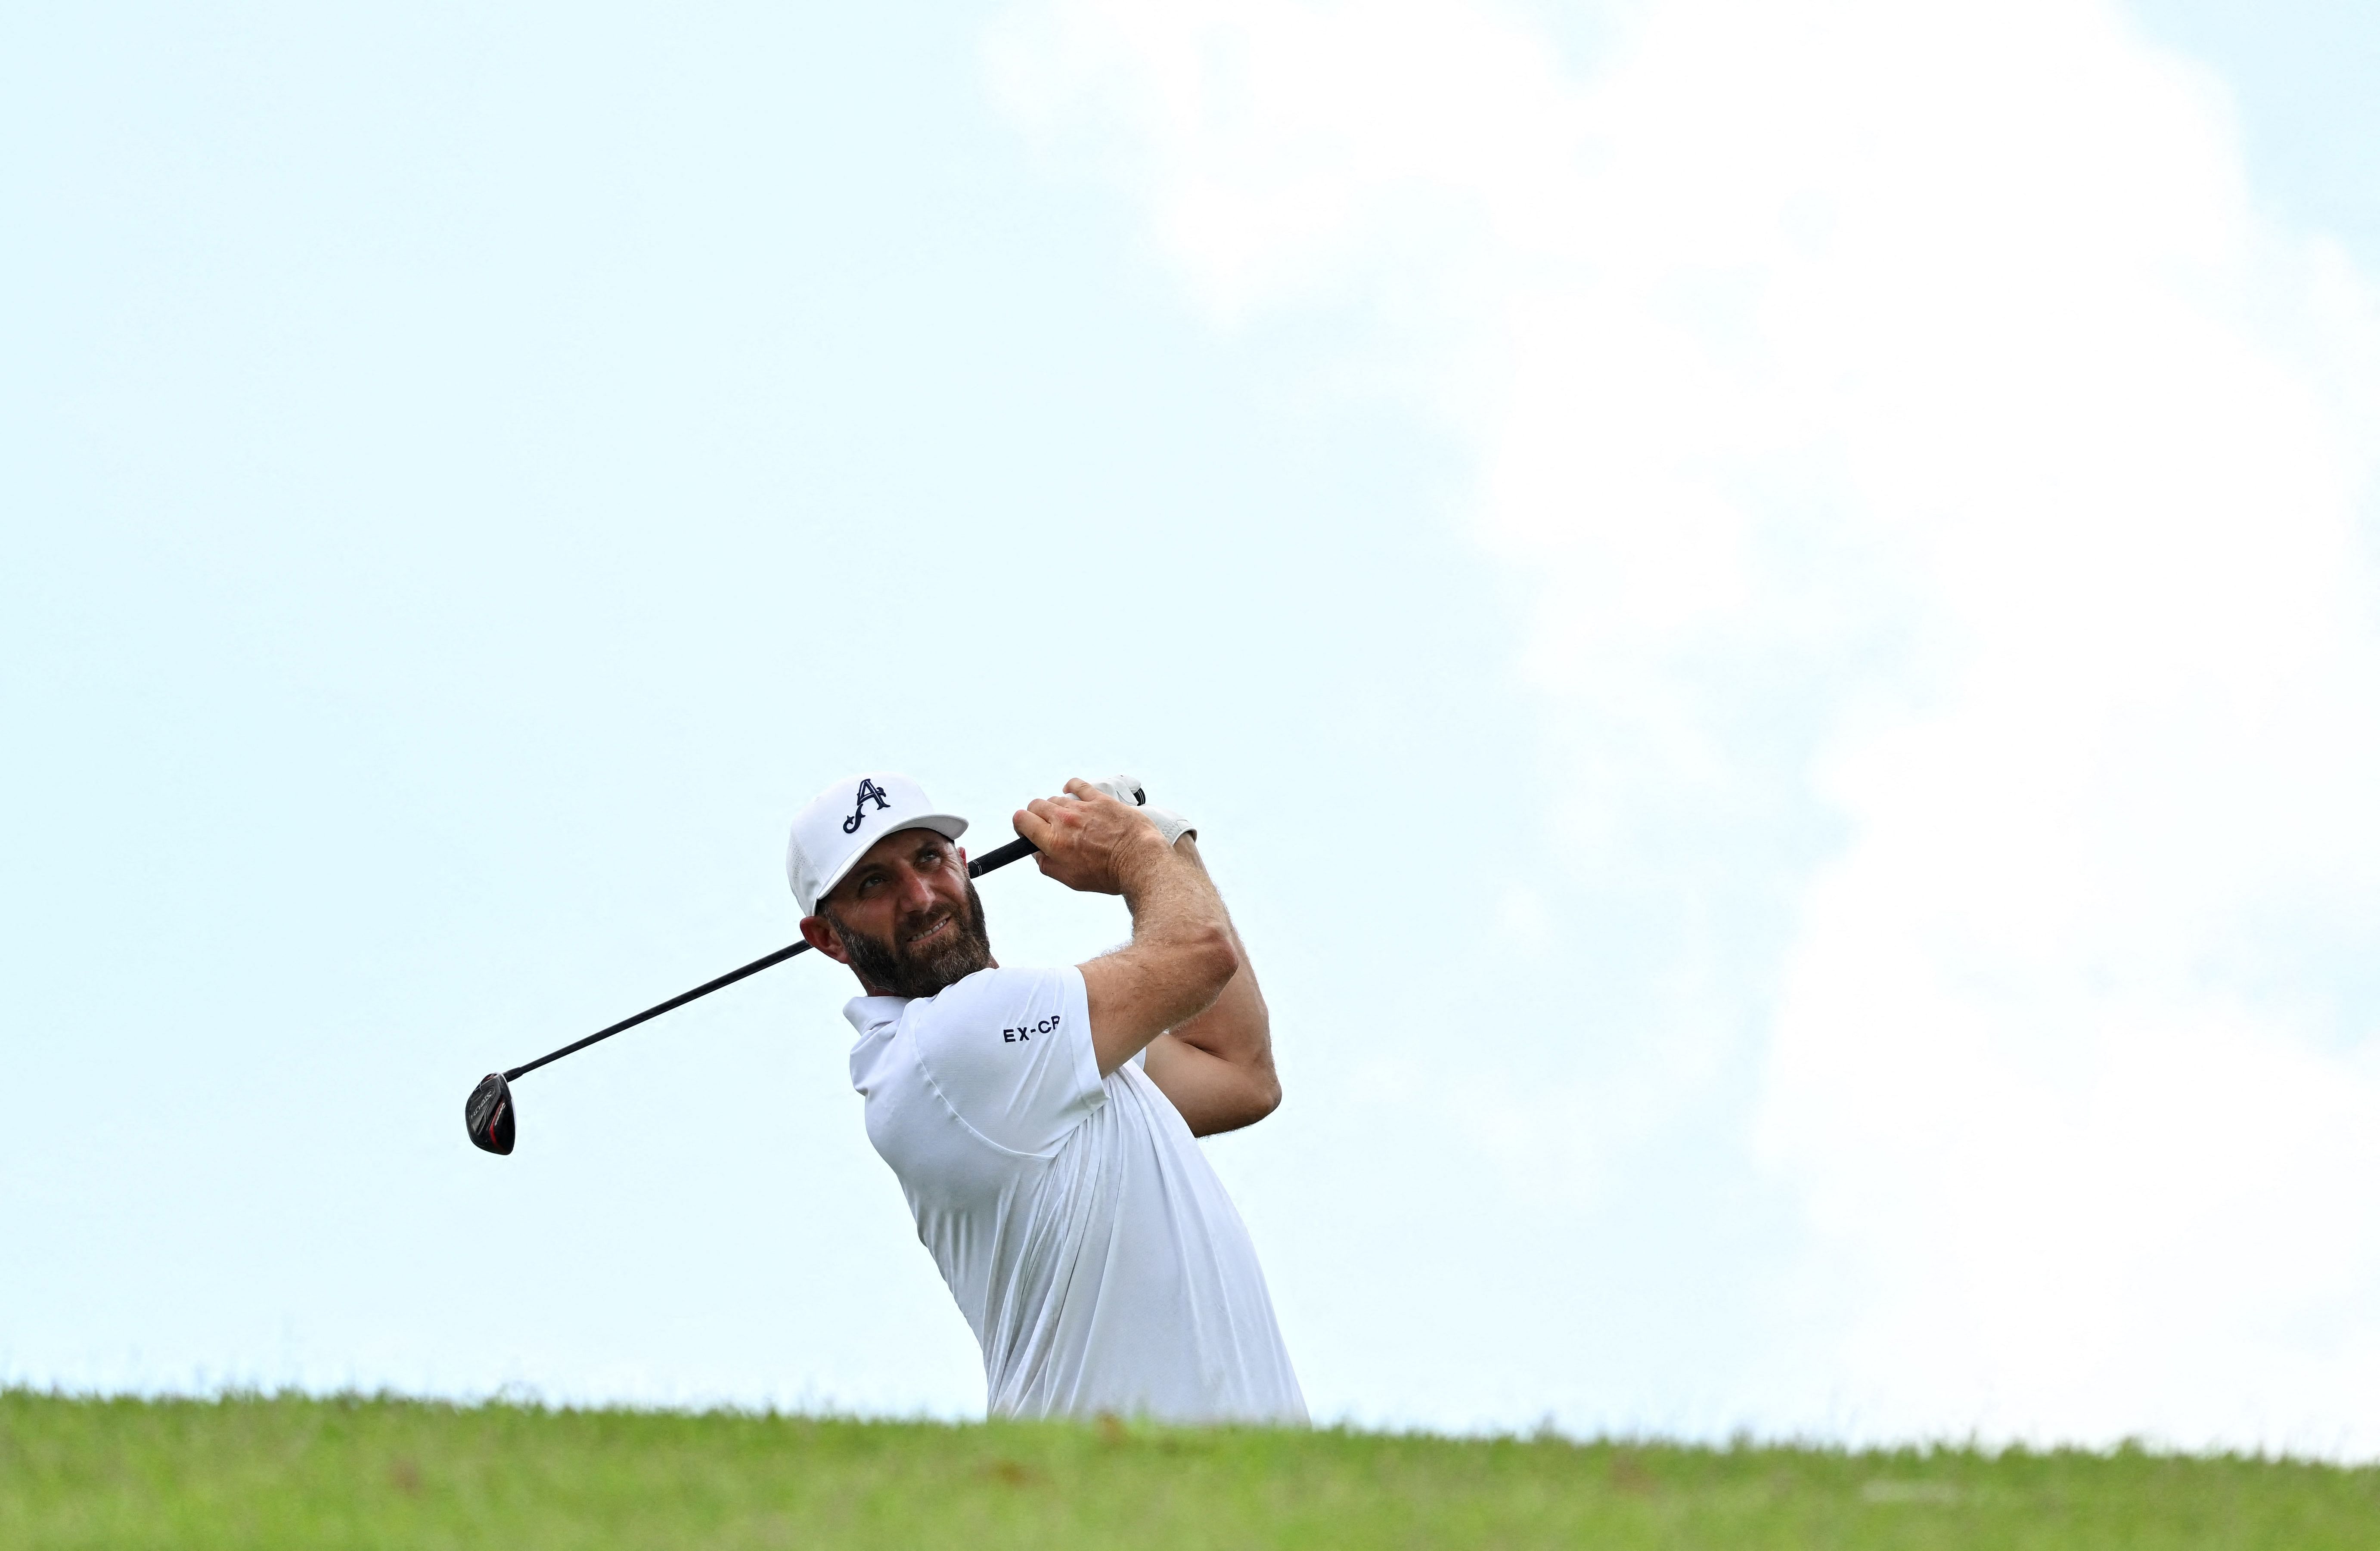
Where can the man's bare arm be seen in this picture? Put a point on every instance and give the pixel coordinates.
(1217, 1066)
(1181, 957)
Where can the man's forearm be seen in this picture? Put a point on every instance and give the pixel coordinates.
(1179, 959)
(1217, 1068)
(1171, 899)
(1238, 1027)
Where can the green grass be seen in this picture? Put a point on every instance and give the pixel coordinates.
(322, 1473)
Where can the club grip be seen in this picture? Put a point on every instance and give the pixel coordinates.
(992, 861)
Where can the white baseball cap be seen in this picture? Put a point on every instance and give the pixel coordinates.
(835, 830)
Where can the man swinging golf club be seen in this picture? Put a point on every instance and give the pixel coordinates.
(1042, 1120)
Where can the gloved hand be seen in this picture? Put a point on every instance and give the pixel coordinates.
(1125, 789)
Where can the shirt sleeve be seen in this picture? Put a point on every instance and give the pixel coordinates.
(1010, 1052)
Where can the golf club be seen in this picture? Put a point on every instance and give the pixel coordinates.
(488, 1114)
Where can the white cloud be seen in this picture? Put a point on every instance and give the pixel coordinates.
(1900, 413)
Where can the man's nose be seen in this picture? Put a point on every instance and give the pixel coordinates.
(917, 894)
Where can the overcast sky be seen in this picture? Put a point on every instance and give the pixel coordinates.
(1767, 615)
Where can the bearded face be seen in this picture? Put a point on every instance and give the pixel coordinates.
(928, 952)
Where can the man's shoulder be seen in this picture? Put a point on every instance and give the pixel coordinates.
(991, 993)
(1005, 1052)
(988, 1027)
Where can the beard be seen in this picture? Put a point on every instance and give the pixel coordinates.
(896, 970)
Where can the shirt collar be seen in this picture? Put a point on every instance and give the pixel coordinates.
(868, 1012)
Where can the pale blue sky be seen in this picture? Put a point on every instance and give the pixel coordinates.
(471, 472)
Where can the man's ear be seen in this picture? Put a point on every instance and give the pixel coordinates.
(820, 935)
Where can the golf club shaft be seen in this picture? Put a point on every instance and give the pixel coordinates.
(989, 861)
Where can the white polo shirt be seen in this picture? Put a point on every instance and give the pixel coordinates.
(1085, 1237)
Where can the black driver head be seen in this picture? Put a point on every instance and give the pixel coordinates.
(488, 1114)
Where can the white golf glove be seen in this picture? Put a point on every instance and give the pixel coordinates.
(1125, 789)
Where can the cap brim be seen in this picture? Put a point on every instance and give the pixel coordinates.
(949, 826)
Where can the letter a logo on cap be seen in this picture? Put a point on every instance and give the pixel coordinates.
(867, 788)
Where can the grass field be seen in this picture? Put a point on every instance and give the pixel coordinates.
(317, 1473)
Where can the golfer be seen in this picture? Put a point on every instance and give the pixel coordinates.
(1042, 1120)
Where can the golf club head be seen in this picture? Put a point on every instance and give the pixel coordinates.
(488, 1114)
